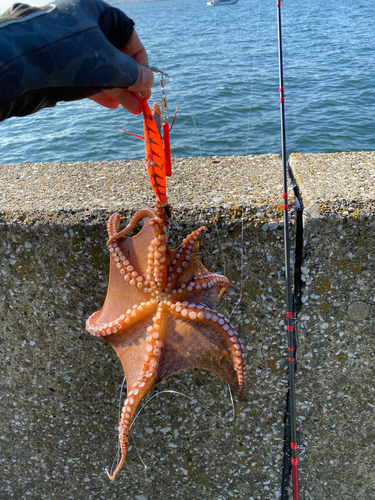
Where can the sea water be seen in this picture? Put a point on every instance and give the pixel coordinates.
(222, 60)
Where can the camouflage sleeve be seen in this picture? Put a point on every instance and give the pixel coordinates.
(61, 52)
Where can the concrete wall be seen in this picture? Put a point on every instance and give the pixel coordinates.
(60, 387)
(337, 324)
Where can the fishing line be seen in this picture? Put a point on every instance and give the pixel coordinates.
(252, 79)
(120, 398)
(201, 156)
(195, 125)
(139, 455)
(117, 456)
(170, 391)
(243, 187)
(232, 402)
(221, 248)
(246, 150)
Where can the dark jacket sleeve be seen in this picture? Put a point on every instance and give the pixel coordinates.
(62, 52)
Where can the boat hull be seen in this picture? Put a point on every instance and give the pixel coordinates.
(215, 3)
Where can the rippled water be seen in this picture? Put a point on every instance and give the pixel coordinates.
(329, 52)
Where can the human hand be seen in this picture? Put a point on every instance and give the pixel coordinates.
(70, 50)
(128, 97)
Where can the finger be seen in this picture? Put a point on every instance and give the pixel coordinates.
(129, 100)
(105, 100)
(145, 80)
(135, 49)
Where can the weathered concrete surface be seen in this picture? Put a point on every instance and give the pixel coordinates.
(336, 347)
(60, 386)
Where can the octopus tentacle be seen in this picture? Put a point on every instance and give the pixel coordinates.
(144, 382)
(201, 282)
(181, 257)
(127, 268)
(134, 397)
(131, 316)
(216, 320)
(114, 223)
(157, 256)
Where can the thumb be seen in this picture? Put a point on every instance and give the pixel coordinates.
(144, 81)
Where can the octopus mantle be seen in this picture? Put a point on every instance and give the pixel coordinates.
(159, 314)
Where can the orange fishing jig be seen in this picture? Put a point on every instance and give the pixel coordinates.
(158, 148)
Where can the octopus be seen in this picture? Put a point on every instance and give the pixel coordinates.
(159, 313)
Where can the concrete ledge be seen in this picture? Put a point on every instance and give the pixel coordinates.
(60, 386)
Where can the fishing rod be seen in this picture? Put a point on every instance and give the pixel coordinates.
(289, 306)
